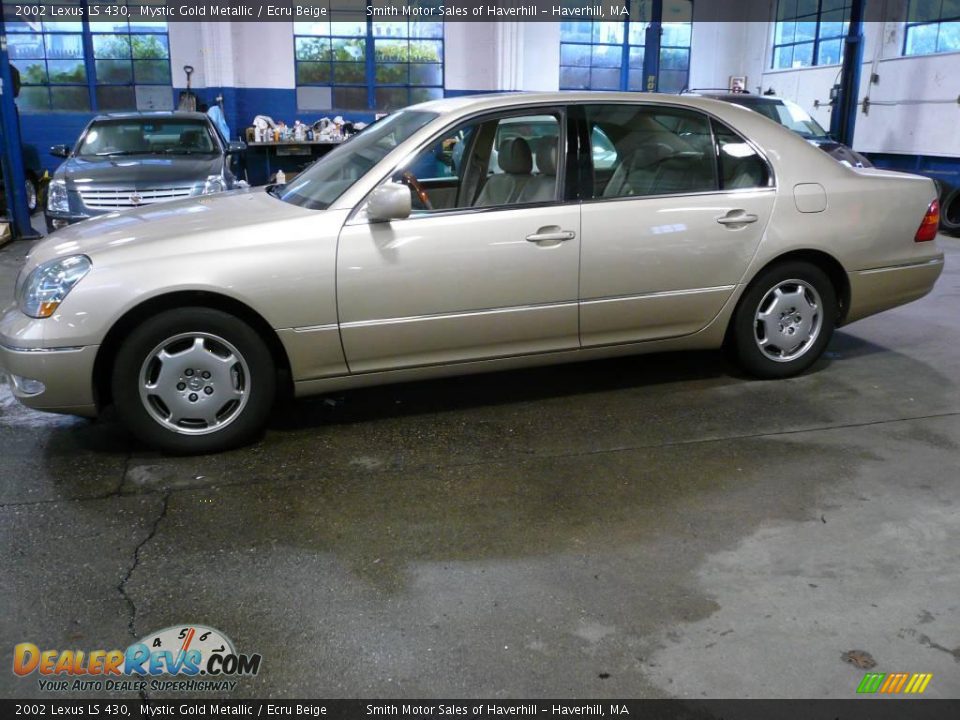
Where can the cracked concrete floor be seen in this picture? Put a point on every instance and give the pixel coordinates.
(645, 527)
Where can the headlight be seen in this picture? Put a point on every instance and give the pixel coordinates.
(48, 284)
(214, 184)
(57, 197)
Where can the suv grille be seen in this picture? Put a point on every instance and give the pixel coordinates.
(119, 198)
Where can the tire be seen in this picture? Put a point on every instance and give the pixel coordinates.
(806, 311)
(950, 211)
(33, 194)
(210, 389)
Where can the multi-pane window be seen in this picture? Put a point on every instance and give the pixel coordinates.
(366, 64)
(604, 55)
(113, 64)
(933, 26)
(809, 32)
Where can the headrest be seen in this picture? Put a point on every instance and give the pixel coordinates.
(547, 156)
(515, 157)
(647, 155)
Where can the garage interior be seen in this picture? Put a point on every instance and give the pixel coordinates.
(657, 526)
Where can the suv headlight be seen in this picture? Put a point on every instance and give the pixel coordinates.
(214, 184)
(49, 284)
(57, 197)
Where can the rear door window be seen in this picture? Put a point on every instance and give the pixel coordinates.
(639, 151)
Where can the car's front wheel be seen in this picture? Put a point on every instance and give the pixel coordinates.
(194, 380)
(784, 320)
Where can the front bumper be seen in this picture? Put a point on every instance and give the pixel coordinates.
(66, 373)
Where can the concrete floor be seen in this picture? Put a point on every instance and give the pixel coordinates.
(647, 527)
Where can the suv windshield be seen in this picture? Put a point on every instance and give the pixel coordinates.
(323, 182)
(788, 114)
(147, 137)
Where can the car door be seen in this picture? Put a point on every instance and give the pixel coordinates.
(490, 270)
(667, 235)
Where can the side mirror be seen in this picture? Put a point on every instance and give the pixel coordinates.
(390, 201)
(61, 151)
(236, 146)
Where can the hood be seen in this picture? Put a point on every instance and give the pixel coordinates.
(165, 227)
(140, 171)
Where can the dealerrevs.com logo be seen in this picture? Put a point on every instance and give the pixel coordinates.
(182, 657)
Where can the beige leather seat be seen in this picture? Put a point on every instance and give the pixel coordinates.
(516, 161)
(542, 187)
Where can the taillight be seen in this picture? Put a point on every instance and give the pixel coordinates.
(931, 221)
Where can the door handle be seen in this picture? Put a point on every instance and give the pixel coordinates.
(551, 233)
(737, 217)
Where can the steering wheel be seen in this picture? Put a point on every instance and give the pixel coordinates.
(410, 180)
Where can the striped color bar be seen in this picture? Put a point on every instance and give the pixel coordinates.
(894, 683)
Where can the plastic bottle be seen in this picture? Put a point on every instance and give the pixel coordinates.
(281, 177)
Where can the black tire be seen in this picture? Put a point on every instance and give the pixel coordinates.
(252, 378)
(747, 329)
(950, 211)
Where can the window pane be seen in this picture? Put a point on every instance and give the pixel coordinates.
(418, 95)
(783, 57)
(605, 79)
(923, 11)
(949, 38)
(151, 72)
(69, 98)
(740, 166)
(149, 47)
(116, 97)
(785, 33)
(654, 151)
(32, 72)
(636, 80)
(25, 46)
(348, 98)
(636, 57)
(390, 50)
(576, 31)
(829, 52)
(424, 74)
(676, 34)
(426, 29)
(921, 39)
(64, 46)
(349, 73)
(114, 71)
(111, 46)
(311, 73)
(66, 71)
(313, 49)
(311, 28)
(608, 32)
(391, 98)
(674, 59)
(608, 56)
(578, 55)
(34, 98)
(672, 81)
(349, 50)
(356, 28)
(806, 31)
(426, 51)
(803, 55)
(574, 78)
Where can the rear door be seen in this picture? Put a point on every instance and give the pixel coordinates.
(669, 222)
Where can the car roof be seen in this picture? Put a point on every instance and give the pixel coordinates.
(157, 114)
(501, 101)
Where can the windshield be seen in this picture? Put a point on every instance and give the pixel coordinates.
(323, 182)
(790, 115)
(147, 137)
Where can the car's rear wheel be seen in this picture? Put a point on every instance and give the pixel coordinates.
(194, 380)
(784, 320)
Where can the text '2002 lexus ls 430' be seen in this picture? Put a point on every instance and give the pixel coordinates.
(465, 235)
